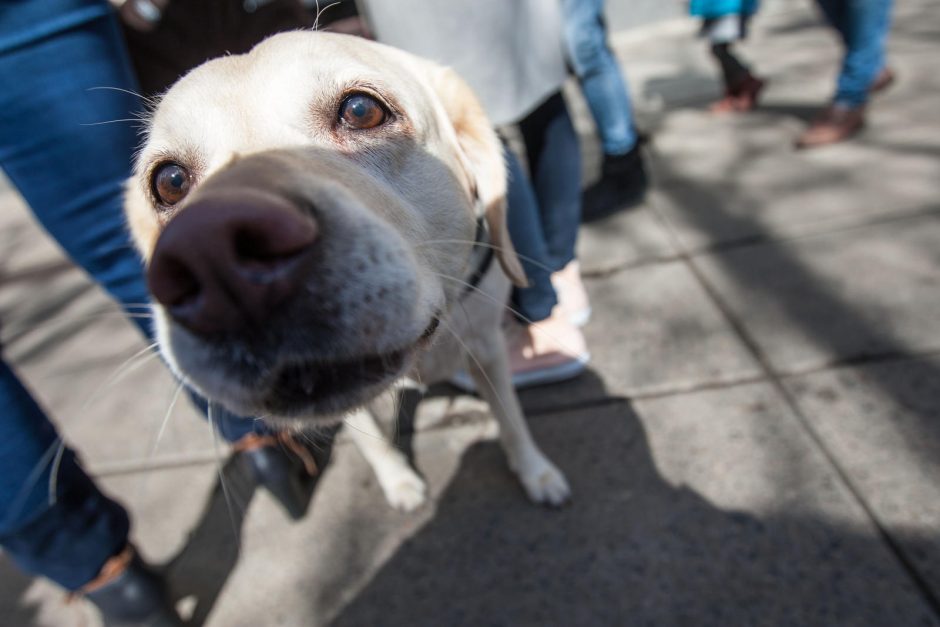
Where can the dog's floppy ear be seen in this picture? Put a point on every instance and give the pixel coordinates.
(481, 155)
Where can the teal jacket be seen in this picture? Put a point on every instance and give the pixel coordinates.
(717, 8)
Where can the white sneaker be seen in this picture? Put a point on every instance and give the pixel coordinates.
(548, 351)
(572, 297)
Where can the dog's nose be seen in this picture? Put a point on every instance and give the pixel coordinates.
(227, 261)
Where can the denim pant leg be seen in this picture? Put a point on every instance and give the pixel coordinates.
(599, 74)
(52, 53)
(67, 538)
(555, 164)
(524, 222)
(863, 26)
(61, 148)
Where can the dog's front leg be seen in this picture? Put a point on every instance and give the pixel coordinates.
(489, 367)
(403, 487)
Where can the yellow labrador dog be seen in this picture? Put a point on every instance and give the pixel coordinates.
(311, 213)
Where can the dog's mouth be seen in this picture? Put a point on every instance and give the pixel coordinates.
(328, 387)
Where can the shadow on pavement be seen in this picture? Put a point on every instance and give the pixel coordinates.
(201, 568)
(631, 549)
(772, 273)
(199, 571)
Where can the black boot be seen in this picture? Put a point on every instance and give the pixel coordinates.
(623, 184)
(288, 465)
(134, 597)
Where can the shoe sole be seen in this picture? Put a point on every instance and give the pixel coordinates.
(556, 374)
(581, 317)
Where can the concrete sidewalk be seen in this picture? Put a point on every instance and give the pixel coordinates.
(756, 443)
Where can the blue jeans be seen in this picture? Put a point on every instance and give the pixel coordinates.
(599, 74)
(863, 26)
(544, 208)
(52, 54)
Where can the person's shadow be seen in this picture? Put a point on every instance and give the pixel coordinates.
(199, 570)
(631, 549)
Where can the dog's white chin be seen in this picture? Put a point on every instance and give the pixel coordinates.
(312, 391)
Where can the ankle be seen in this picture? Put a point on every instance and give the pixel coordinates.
(113, 568)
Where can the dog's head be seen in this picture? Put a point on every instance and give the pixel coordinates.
(307, 212)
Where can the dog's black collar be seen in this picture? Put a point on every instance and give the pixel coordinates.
(480, 257)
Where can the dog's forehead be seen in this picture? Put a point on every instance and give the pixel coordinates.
(267, 94)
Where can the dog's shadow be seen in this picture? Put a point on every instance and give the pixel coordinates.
(635, 547)
(632, 548)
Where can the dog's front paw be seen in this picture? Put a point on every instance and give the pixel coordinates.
(406, 491)
(543, 482)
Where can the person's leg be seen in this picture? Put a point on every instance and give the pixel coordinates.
(67, 136)
(66, 537)
(69, 537)
(863, 26)
(55, 522)
(623, 180)
(733, 71)
(834, 11)
(553, 348)
(864, 29)
(742, 88)
(602, 82)
(523, 219)
(555, 165)
(59, 143)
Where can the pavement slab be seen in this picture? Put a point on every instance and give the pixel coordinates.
(834, 297)
(626, 238)
(882, 422)
(654, 329)
(759, 187)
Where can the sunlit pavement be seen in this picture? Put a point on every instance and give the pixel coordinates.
(757, 441)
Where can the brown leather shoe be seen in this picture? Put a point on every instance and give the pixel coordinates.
(728, 104)
(836, 123)
(742, 98)
(748, 92)
(884, 80)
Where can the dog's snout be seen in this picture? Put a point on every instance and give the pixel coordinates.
(229, 259)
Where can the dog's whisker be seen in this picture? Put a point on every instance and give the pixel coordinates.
(483, 293)
(480, 367)
(109, 122)
(309, 440)
(21, 329)
(350, 425)
(136, 305)
(54, 473)
(508, 308)
(397, 417)
(166, 419)
(214, 425)
(133, 362)
(496, 247)
(18, 502)
(316, 20)
(146, 99)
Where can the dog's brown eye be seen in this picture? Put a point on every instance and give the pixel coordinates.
(171, 183)
(360, 111)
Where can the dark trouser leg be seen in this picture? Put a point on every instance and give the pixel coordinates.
(733, 70)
